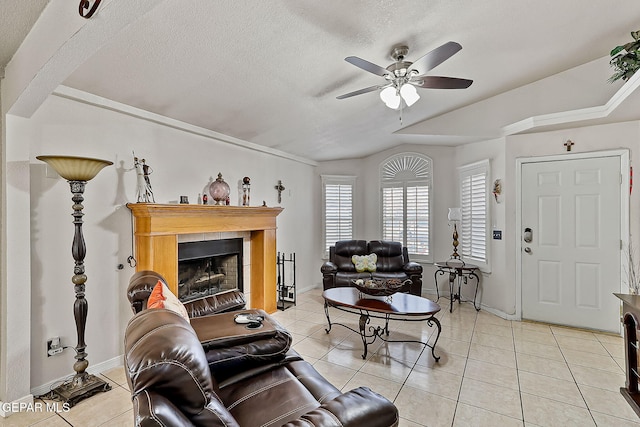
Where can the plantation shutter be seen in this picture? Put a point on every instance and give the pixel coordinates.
(338, 212)
(405, 181)
(473, 200)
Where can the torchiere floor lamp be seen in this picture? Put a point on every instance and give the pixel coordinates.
(77, 171)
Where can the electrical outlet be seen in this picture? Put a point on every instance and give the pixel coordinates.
(54, 346)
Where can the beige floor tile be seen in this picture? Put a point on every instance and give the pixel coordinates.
(124, 420)
(551, 413)
(463, 333)
(347, 357)
(28, 418)
(492, 329)
(116, 375)
(504, 343)
(540, 350)
(448, 362)
(615, 350)
(302, 327)
(599, 378)
(110, 404)
(405, 352)
(604, 420)
(581, 344)
(492, 355)
(530, 326)
(335, 374)
(545, 337)
(491, 373)
(609, 338)
(450, 346)
(434, 381)
(538, 365)
(336, 336)
(486, 318)
(386, 367)
(425, 408)
(471, 416)
(406, 423)
(383, 386)
(551, 388)
(55, 421)
(575, 357)
(311, 317)
(491, 397)
(312, 347)
(572, 332)
(608, 402)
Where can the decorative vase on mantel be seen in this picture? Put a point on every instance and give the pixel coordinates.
(219, 190)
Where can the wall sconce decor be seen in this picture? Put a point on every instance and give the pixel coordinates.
(497, 189)
(86, 10)
(454, 216)
(77, 171)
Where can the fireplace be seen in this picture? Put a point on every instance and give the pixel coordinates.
(208, 267)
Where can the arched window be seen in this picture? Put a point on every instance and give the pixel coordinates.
(405, 186)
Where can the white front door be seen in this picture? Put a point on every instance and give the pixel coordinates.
(571, 263)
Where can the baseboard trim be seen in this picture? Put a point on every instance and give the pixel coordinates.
(94, 369)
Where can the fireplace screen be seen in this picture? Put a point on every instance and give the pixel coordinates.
(208, 267)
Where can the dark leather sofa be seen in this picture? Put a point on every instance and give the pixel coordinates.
(393, 263)
(213, 372)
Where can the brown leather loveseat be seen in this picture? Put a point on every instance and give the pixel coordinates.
(213, 372)
(392, 263)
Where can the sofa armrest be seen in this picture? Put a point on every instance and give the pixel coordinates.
(412, 268)
(222, 302)
(329, 268)
(358, 407)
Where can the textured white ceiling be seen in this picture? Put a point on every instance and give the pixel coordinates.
(16, 19)
(268, 72)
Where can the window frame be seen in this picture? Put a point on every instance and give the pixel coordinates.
(336, 180)
(483, 166)
(405, 183)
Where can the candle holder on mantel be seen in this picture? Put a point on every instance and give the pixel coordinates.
(77, 171)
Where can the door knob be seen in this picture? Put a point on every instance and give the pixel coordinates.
(527, 250)
(528, 235)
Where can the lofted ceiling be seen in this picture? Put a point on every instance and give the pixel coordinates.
(269, 72)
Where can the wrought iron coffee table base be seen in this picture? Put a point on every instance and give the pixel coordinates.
(376, 332)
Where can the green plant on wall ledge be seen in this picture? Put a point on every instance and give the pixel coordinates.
(625, 59)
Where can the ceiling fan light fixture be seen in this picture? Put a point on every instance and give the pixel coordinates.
(409, 94)
(390, 97)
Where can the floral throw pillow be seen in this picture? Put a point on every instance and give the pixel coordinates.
(365, 262)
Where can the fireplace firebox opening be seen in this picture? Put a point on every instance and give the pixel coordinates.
(208, 267)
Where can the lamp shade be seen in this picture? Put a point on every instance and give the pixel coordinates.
(409, 94)
(390, 97)
(74, 168)
(455, 214)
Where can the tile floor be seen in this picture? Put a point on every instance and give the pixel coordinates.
(492, 372)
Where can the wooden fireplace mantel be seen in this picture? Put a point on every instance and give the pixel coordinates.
(157, 227)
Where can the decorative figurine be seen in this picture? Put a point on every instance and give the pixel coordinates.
(144, 192)
(246, 191)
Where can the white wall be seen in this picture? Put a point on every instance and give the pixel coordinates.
(182, 164)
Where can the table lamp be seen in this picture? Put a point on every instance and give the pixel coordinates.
(455, 215)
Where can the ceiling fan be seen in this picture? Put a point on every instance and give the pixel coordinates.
(402, 77)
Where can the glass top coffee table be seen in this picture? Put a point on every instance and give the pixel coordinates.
(399, 306)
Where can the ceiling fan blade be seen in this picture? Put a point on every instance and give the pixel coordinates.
(367, 66)
(360, 92)
(436, 57)
(438, 82)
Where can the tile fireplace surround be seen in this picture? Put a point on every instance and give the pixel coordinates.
(157, 228)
